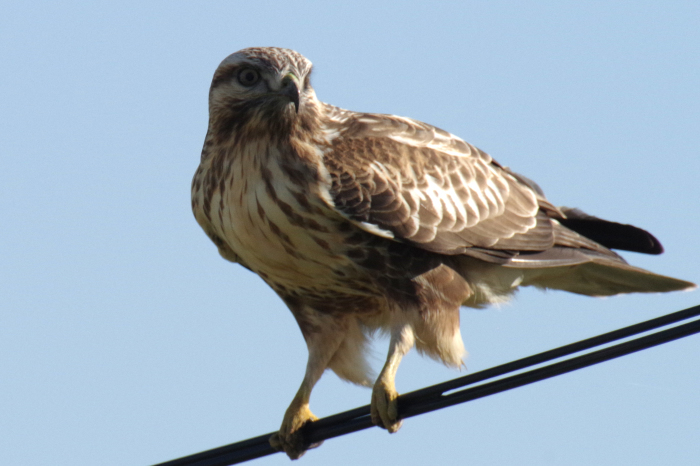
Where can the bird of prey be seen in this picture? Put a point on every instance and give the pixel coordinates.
(364, 222)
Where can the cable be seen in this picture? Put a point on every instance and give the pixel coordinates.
(434, 397)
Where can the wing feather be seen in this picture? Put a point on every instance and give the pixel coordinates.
(408, 181)
(431, 188)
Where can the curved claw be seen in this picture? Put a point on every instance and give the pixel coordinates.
(384, 407)
(290, 438)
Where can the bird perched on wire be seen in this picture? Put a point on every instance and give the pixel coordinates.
(363, 222)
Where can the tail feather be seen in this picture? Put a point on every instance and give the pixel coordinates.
(582, 261)
(612, 235)
(602, 276)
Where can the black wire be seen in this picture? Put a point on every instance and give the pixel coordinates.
(434, 397)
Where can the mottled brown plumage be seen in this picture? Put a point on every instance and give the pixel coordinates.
(363, 222)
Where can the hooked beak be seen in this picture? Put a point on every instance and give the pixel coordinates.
(290, 89)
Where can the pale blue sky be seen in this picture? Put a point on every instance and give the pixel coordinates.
(126, 340)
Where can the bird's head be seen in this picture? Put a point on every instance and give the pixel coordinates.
(261, 88)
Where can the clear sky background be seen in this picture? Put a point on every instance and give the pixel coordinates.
(126, 340)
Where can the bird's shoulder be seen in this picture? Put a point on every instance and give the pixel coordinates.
(404, 138)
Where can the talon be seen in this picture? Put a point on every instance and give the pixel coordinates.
(384, 407)
(289, 438)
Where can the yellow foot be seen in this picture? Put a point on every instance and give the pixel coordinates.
(289, 438)
(384, 407)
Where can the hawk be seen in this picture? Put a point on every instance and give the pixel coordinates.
(363, 222)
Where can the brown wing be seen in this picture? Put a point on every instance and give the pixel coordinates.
(411, 181)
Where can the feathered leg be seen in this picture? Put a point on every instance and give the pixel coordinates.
(322, 345)
(384, 396)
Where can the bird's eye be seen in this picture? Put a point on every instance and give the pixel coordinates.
(248, 77)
